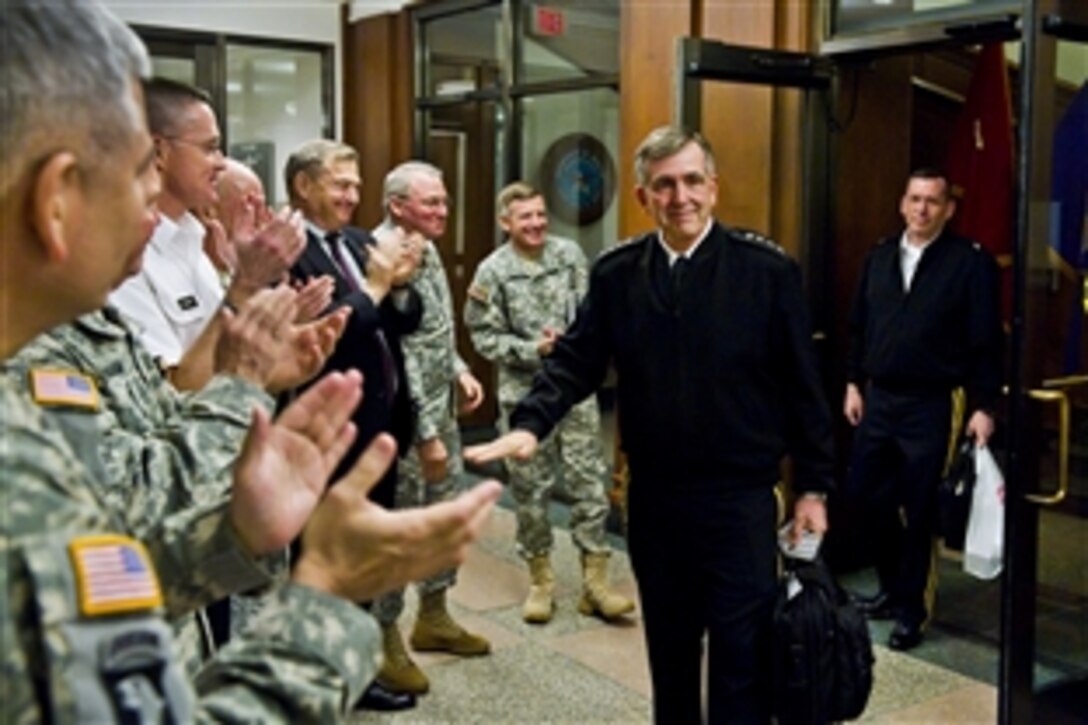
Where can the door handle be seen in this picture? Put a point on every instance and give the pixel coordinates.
(1059, 397)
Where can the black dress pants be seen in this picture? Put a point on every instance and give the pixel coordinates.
(899, 452)
(704, 559)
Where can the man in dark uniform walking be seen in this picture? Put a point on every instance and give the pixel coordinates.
(925, 320)
(708, 333)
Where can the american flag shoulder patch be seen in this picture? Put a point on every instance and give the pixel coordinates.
(63, 387)
(114, 575)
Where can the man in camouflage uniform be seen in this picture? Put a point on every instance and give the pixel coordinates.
(155, 451)
(287, 669)
(415, 200)
(78, 203)
(522, 297)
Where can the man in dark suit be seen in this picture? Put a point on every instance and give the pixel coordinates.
(707, 331)
(370, 274)
(925, 320)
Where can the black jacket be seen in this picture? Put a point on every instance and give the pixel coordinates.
(718, 384)
(943, 333)
(359, 348)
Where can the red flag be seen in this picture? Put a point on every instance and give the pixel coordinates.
(980, 164)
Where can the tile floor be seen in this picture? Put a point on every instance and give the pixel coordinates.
(580, 670)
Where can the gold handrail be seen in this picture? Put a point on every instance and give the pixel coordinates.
(1059, 397)
(1068, 381)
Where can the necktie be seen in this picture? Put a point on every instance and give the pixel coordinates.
(333, 239)
(389, 366)
(676, 277)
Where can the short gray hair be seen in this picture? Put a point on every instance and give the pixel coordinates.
(68, 68)
(313, 156)
(666, 141)
(398, 182)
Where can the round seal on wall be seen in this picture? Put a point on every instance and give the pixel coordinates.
(579, 178)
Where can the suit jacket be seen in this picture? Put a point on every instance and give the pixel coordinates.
(717, 378)
(942, 333)
(383, 409)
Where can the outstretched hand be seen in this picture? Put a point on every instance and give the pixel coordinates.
(253, 339)
(305, 350)
(314, 297)
(354, 548)
(520, 445)
(284, 466)
(264, 258)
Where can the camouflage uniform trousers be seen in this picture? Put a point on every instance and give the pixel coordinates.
(573, 448)
(413, 491)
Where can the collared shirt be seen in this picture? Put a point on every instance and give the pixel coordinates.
(673, 255)
(910, 255)
(345, 259)
(175, 294)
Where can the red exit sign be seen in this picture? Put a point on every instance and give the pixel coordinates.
(548, 22)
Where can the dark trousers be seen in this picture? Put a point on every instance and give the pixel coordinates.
(704, 559)
(899, 453)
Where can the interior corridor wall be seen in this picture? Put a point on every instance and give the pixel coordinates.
(312, 21)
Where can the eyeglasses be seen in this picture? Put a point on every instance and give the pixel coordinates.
(210, 148)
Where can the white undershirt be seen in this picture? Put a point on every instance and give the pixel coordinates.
(673, 255)
(910, 255)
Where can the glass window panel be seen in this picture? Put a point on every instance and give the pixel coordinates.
(564, 39)
(865, 15)
(569, 147)
(182, 70)
(465, 52)
(274, 104)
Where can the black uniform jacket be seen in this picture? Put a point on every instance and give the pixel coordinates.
(715, 385)
(382, 409)
(943, 333)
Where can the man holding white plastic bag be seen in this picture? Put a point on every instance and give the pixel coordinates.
(984, 544)
(925, 320)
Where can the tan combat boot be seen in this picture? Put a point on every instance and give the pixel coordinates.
(597, 597)
(540, 604)
(399, 673)
(435, 630)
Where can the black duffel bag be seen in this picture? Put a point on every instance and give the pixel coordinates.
(823, 657)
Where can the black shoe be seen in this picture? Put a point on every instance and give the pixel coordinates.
(376, 697)
(905, 636)
(877, 606)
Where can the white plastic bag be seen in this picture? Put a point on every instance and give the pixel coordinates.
(985, 541)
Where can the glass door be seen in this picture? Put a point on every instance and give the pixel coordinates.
(1027, 632)
(1044, 674)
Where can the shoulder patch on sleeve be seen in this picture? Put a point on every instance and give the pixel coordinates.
(479, 293)
(756, 239)
(54, 387)
(114, 575)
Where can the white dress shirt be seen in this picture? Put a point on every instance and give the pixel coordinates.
(909, 257)
(176, 293)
